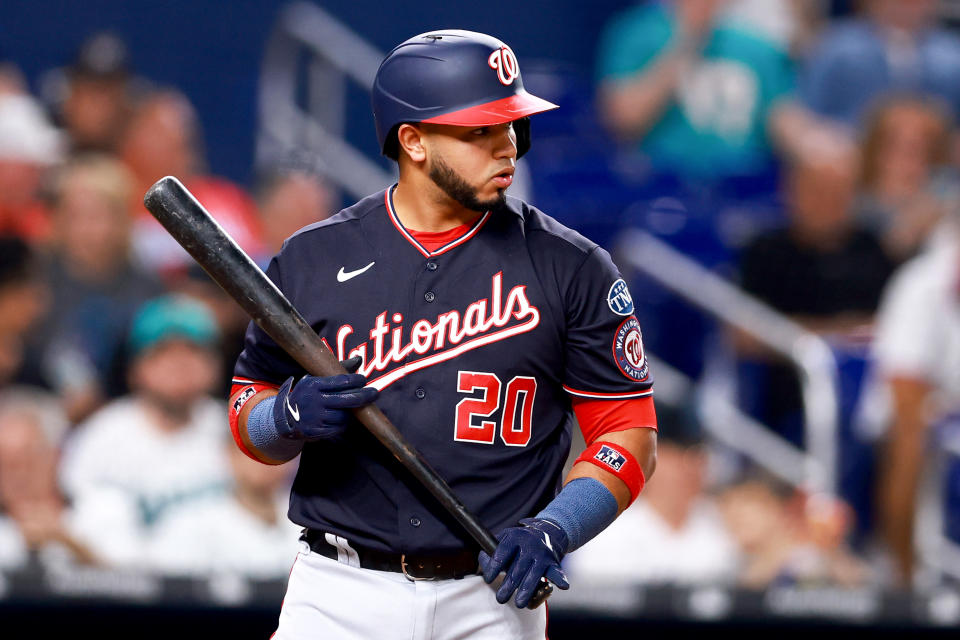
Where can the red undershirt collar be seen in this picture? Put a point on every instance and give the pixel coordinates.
(439, 241)
(433, 240)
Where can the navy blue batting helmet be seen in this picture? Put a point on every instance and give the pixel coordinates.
(453, 77)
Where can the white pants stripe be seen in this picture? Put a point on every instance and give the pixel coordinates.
(345, 552)
(332, 600)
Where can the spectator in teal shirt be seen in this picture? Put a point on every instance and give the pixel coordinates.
(695, 85)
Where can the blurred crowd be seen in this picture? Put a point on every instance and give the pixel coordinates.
(115, 350)
(844, 116)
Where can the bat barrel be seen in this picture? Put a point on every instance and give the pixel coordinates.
(205, 240)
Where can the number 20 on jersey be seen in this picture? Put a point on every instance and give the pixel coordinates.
(471, 425)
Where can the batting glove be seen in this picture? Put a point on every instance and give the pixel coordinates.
(526, 554)
(318, 408)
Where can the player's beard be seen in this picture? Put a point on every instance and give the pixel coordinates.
(460, 191)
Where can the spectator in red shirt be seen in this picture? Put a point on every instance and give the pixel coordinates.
(163, 138)
(290, 199)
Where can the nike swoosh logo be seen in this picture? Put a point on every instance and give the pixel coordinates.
(294, 411)
(546, 539)
(343, 276)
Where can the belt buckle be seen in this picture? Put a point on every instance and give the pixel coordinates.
(403, 568)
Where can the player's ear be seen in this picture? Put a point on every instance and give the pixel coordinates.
(410, 138)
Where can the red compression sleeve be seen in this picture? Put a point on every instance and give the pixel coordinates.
(597, 417)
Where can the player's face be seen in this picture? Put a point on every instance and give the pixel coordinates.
(473, 166)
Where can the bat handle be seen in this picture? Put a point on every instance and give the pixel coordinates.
(544, 589)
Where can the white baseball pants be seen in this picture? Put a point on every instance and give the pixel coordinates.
(331, 600)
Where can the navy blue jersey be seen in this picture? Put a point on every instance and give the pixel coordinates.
(476, 347)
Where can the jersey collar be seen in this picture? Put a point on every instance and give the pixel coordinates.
(388, 200)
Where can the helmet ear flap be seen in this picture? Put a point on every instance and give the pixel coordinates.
(391, 145)
(521, 127)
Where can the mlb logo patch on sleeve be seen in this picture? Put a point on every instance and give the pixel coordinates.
(241, 400)
(610, 457)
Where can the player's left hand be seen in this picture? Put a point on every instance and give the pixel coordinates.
(526, 554)
(318, 407)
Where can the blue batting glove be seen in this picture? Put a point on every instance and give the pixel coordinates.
(318, 408)
(526, 554)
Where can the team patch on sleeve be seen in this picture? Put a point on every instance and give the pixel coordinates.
(628, 350)
(618, 298)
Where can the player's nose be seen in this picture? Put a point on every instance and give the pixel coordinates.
(506, 142)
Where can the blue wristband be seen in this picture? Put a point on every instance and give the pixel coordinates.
(584, 508)
(263, 434)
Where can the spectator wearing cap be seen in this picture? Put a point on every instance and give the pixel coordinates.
(93, 95)
(95, 285)
(684, 538)
(232, 320)
(160, 445)
(29, 146)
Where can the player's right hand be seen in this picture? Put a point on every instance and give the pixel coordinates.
(525, 554)
(318, 408)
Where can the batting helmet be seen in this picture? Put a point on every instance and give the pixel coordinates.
(453, 77)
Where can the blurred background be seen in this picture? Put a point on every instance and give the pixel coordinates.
(777, 180)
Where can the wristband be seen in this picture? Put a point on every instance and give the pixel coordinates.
(582, 509)
(617, 460)
(263, 434)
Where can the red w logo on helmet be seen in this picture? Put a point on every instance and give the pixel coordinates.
(506, 65)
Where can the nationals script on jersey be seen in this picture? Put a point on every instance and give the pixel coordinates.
(477, 347)
(452, 333)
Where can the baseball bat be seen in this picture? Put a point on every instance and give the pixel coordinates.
(221, 257)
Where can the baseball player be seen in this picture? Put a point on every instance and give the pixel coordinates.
(481, 327)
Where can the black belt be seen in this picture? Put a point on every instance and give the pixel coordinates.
(414, 566)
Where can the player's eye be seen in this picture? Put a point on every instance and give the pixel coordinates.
(482, 131)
